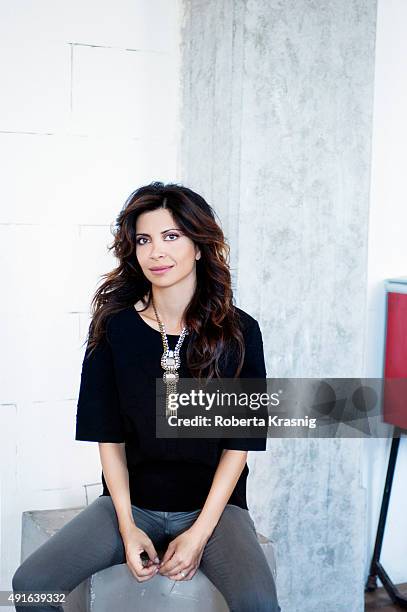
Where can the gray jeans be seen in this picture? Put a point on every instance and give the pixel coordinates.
(232, 559)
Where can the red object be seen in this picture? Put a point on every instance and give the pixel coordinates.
(395, 368)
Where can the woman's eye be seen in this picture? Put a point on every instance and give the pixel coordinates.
(138, 240)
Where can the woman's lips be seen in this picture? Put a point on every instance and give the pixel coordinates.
(161, 270)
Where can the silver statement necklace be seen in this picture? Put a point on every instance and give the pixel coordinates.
(170, 362)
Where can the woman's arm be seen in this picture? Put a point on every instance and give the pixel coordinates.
(224, 481)
(135, 540)
(99, 419)
(114, 465)
(185, 551)
(233, 460)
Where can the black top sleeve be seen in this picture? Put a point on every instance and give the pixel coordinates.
(253, 367)
(98, 417)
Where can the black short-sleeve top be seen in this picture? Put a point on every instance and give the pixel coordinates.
(117, 403)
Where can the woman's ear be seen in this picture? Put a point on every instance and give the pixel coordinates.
(198, 254)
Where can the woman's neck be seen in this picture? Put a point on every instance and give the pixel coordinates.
(171, 303)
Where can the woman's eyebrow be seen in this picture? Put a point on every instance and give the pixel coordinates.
(167, 230)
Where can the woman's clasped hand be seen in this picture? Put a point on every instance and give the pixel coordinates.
(183, 555)
(136, 541)
(180, 561)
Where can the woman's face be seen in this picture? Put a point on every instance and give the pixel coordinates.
(160, 243)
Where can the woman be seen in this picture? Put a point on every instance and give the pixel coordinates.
(186, 498)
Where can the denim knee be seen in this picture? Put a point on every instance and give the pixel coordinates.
(26, 580)
(18, 580)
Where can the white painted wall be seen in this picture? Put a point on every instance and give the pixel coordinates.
(387, 258)
(87, 114)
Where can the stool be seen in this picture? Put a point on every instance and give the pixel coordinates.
(115, 587)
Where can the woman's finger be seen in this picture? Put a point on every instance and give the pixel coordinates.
(151, 551)
(172, 566)
(190, 574)
(168, 553)
(193, 572)
(139, 572)
(177, 575)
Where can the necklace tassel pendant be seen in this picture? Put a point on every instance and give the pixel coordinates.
(170, 363)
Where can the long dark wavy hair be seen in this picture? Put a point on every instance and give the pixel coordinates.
(211, 318)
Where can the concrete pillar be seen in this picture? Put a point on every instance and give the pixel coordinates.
(275, 131)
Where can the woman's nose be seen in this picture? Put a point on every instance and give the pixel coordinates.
(156, 251)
